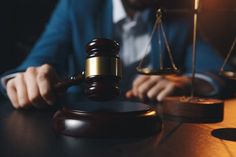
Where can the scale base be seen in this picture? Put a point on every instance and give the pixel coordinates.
(192, 109)
(107, 119)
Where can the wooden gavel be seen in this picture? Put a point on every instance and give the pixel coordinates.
(102, 72)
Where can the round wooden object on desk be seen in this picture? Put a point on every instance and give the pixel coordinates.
(192, 109)
(107, 119)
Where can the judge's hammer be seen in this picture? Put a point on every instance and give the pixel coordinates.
(102, 118)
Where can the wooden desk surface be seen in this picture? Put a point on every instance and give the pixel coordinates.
(29, 133)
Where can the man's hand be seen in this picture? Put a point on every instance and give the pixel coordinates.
(157, 87)
(32, 87)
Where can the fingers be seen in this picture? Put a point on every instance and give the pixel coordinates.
(21, 90)
(165, 92)
(45, 79)
(33, 87)
(154, 92)
(137, 82)
(141, 85)
(12, 94)
(145, 87)
(151, 87)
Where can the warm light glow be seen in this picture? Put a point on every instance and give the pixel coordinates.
(150, 113)
(196, 4)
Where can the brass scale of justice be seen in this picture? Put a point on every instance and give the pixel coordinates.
(187, 108)
(128, 119)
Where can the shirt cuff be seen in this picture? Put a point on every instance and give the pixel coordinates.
(6, 78)
(208, 79)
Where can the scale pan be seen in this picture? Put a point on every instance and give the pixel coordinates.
(164, 71)
(228, 74)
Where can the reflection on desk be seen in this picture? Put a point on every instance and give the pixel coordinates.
(29, 133)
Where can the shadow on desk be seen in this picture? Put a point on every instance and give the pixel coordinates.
(225, 134)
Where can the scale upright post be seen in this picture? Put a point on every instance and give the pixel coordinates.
(196, 5)
(193, 109)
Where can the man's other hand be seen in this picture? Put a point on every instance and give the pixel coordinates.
(158, 87)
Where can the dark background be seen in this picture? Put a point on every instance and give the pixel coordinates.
(219, 28)
(22, 22)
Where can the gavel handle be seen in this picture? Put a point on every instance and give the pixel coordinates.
(62, 86)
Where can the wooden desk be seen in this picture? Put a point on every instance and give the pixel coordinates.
(29, 133)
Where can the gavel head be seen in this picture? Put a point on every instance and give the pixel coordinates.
(102, 69)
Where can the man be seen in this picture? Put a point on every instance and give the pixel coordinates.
(76, 22)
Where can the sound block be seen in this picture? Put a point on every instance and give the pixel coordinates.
(107, 119)
(192, 109)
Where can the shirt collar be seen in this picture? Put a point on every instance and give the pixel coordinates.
(118, 11)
